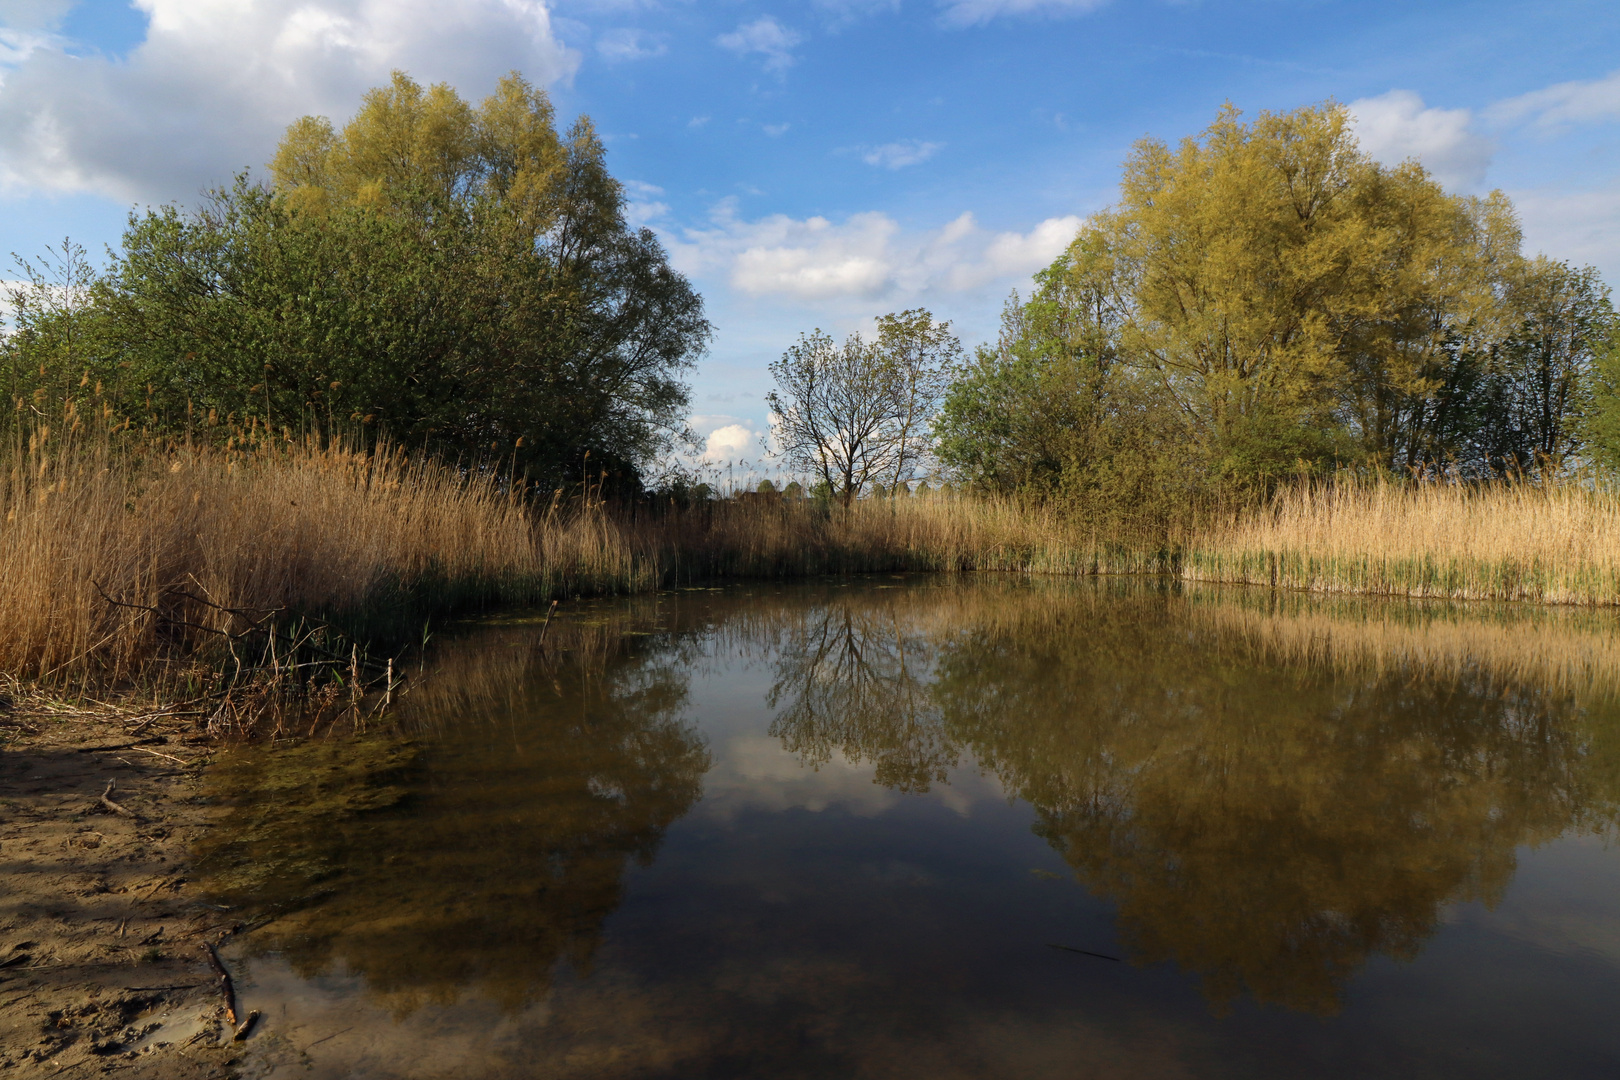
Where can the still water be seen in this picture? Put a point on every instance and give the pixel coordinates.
(941, 828)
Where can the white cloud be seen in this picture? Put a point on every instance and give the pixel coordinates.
(978, 12)
(34, 14)
(775, 130)
(1580, 226)
(1397, 126)
(897, 155)
(643, 206)
(866, 257)
(1586, 102)
(629, 44)
(767, 37)
(736, 441)
(215, 83)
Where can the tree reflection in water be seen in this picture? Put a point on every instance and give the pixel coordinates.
(1268, 802)
(855, 677)
(480, 850)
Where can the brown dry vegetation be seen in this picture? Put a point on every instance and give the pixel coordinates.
(1553, 542)
(124, 568)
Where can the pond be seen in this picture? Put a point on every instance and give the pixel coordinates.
(944, 827)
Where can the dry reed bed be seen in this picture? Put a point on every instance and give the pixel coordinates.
(1554, 543)
(108, 564)
(111, 563)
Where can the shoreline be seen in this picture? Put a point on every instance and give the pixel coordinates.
(102, 965)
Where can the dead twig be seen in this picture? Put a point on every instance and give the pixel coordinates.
(1085, 952)
(154, 753)
(245, 1028)
(122, 745)
(226, 989)
(121, 811)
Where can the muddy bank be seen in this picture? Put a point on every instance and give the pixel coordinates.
(102, 962)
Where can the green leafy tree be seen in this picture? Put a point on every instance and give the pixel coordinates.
(451, 275)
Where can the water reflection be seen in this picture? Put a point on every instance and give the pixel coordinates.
(1265, 810)
(426, 862)
(1266, 794)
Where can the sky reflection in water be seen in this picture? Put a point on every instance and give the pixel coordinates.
(835, 829)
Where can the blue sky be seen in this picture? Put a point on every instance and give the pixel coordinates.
(819, 163)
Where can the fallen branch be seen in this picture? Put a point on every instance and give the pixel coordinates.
(123, 745)
(246, 1026)
(121, 811)
(226, 989)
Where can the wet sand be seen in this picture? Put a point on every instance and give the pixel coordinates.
(103, 969)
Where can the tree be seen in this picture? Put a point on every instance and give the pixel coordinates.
(856, 413)
(1541, 383)
(1266, 299)
(50, 350)
(446, 274)
(920, 352)
(1600, 426)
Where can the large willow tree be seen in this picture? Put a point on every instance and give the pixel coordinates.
(446, 274)
(1266, 298)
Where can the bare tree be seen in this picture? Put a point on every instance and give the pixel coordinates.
(857, 413)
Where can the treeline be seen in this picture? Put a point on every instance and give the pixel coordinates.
(1266, 301)
(454, 276)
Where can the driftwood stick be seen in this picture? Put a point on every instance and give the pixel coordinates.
(106, 800)
(245, 1028)
(547, 624)
(226, 989)
(124, 745)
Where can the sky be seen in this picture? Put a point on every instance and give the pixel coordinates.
(817, 163)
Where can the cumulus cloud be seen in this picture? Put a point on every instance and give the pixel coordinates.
(867, 256)
(897, 155)
(979, 12)
(213, 85)
(629, 44)
(34, 14)
(734, 441)
(1397, 126)
(1582, 102)
(764, 36)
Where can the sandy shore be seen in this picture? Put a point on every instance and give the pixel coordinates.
(102, 962)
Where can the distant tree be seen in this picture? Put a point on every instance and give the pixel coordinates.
(766, 487)
(857, 413)
(794, 490)
(921, 353)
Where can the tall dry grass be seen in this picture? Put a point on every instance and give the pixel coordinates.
(1556, 542)
(121, 561)
(117, 560)
(112, 560)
